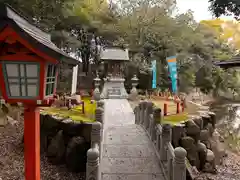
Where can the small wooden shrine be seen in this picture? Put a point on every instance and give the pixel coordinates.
(114, 59)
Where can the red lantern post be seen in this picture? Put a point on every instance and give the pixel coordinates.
(32, 142)
(29, 75)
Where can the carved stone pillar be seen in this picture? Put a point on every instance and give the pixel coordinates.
(159, 138)
(157, 114)
(137, 114)
(166, 138)
(96, 134)
(141, 112)
(156, 119)
(99, 112)
(179, 167)
(93, 166)
(144, 112)
(151, 127)
(100, 104)
(96, 137)
(149, 110)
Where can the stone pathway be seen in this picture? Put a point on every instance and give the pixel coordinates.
(127, 152)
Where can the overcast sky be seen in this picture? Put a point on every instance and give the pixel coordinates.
(199, 7)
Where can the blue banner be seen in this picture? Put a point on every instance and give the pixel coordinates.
(172, 66)
(154, 74)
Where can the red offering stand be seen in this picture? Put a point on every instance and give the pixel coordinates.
(28, 69)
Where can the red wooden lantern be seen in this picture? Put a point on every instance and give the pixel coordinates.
(28, 67)
(29, 82)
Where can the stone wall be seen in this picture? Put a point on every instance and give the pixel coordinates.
(65, 142)
(200, 139)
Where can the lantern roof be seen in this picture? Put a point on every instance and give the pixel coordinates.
(114, 54)
(36, 37)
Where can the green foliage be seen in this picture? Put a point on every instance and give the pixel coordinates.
(43, 13)
(149, 30)
(225, 30)
(225, 7)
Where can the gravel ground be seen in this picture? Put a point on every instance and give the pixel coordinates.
(12, 160)
(230, 170)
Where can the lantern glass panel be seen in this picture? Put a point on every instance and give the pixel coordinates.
(50, 79)
(14, 89)
(31, 70)
(32, 89)
(12, 70)
(21, 79)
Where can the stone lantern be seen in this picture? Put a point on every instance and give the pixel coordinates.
(134, 93)
(96, 93)
(134, 81)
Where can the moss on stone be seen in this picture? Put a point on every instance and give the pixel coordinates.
(175, 119)
(75, 113)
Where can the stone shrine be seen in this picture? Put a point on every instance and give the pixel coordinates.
(114, 59)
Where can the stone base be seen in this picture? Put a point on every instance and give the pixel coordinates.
(133, 94)
(114, 89)
(65, 142)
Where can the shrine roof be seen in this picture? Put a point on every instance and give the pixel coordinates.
(233, 62)
(36, 37)
(114, 54)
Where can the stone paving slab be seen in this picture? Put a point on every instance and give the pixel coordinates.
(125, 151)
(118, 113)
(130, 165)
(127, 129)
(119, 124)
(132, 176)
(126, 139)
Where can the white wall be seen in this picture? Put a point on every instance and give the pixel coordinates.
(74, 79)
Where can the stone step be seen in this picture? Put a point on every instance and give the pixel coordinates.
(130, 165)
(118, 176)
